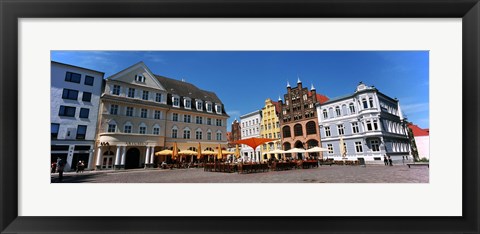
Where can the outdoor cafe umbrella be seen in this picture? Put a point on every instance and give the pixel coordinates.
(175, 151)
(276, 151)
(254, 142)
(199, 152)
(296, 150)
(343, 151)
(316, 149)
(164, 152)
(237, 151)
(187, 152)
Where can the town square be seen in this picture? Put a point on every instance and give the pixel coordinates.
(133, 124)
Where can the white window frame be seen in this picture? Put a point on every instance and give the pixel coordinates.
(125, 128)
(330, 148)
(173, 117)
(218, 108)
(199, 104)
(113, 109)
(355, 128)
(157, 95)
(342, 128)
(132, 92)
(176, 99)
(328, 132)
(358, 145)
(209, 107)
(187, 101)
(376, 143)
(158, 114)
(127, 111)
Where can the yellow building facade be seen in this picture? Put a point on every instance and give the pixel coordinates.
(270, 128)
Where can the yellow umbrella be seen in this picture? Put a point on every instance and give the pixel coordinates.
(237, 151)
(164, 152)
(175, 150)
(219, 155)
(208, 152)
(187, 152)
(199, 153)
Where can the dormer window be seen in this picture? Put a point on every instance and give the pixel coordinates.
(176, 101)
(140, 78)
(199, 105)
(218, 108)
(187, 103)
(209, 107)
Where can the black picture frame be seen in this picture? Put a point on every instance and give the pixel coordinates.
(11, 11)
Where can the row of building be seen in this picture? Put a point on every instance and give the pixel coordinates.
(368, 123)
(121, 121)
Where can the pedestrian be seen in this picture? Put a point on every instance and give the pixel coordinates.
(403, 160)
(385, 160)
(79, 166)
(60, 167)
(390, 161)
(54, 167)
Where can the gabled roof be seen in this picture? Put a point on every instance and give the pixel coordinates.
(320, 98)
(417, 131)
(278, 108)
(185, 89)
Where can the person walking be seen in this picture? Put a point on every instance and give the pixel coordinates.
(60, 167)
(390, 161)
(385, 160)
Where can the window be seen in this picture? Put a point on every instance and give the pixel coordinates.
(186, 134)
(143, 130)
(365, 104)
(218, 122)
(187, 118)
(68, 111)
(129, 111)
(341, 130)
(286, 131)
(325, 114)
(198, 120)
(87, 96)
(218, 108)
(327, 131)
(145, 95)
(358, 147)
(199, 105)
(188, 103)
(139, 78)
(176, 102)
(355, 127)
(298, 130)
(369, 125)
(113, 109)
(219, 136)
(111, 127)
(175, 117)
(375, 145)
(73, 77)
(209, 107)
(116, 90)
(84, 113)
(209, 121)
(54, 127)
(337, 110)
(156, 131)
(209, 136)
(198, 135)
(131, 92)
(127, 129)
(157, 114)
(330, 148)
(371, 102)
(174, 133)
(143, 113)
(352, 108)
(81, 131)
(88, 80)
(70, 94)
(158, 97)
(311, 128)
(375, 124)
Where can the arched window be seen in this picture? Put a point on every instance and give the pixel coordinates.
(198, 134)
(286, 131)
(311, 128)
(352, 108)
(325, 114)
(337, 109)
(286, 146)
(312, 143)
(297, 130)
(142, 129)
(371, 102)
(127, 128)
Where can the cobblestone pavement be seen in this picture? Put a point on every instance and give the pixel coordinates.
(323, 174)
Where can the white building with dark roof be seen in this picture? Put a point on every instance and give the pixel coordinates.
(74, 101)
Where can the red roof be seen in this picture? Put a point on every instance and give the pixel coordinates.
(320, 98)
(417, 131)
(277, 106)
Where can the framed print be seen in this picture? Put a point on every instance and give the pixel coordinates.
(229, 37)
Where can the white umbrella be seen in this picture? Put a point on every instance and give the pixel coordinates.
(343, 151)
(316, 149)
(296, 150)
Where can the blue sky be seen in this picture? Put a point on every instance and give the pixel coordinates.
(244, 79)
